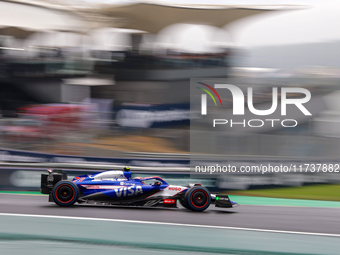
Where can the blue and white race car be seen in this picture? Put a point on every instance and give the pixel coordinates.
(119, 188)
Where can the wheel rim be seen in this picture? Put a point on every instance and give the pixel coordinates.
(199, 198)
(65, 193)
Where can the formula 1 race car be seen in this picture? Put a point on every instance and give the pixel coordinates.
(118, 188)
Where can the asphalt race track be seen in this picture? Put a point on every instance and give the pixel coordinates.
(285, 218)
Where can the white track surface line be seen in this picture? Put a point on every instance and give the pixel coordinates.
(169, 224)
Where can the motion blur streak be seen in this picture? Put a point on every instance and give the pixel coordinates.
(98, 84)
(281, 218)
(169, 224)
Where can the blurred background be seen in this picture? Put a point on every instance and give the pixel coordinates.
(93, 85)
(97, 81)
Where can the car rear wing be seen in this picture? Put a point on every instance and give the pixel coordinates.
(49, 179)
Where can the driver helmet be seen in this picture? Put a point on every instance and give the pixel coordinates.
(127, 169)
(157, 183)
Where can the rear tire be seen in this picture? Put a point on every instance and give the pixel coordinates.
(197, 198)
(65, 193)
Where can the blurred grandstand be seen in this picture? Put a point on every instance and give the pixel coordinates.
(131, 87)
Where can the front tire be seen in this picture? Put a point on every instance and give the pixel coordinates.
(197, 198)
(65, 193)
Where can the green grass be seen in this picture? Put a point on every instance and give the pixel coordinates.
(312, 192)
(21, 192)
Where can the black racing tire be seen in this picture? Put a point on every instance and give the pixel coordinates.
(183, 203)
(197, 198)
(65, 193)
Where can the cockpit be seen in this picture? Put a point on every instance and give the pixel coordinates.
(153, 180)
